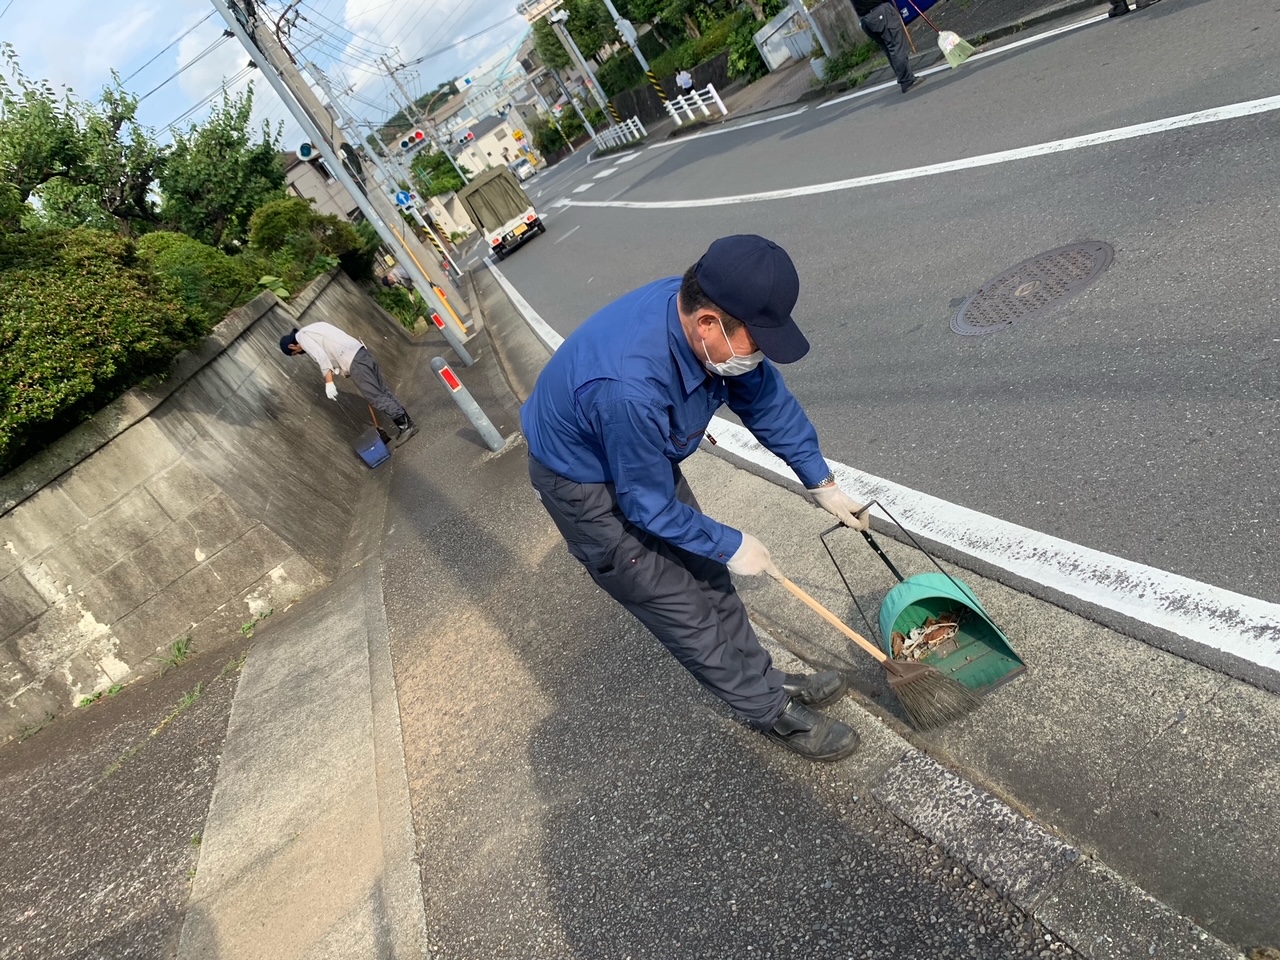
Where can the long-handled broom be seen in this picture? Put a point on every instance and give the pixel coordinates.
(929, 698)
(952, 45)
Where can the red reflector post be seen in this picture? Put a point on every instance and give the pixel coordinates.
(435, 318)
(451, 379)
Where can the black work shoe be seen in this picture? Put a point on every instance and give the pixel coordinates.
(915, 82)
(812, 734)
(815, 689)
(407, 429)
(1120, 7)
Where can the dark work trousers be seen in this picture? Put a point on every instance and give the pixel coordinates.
(884, 26)
(367, 376)
(688, 602)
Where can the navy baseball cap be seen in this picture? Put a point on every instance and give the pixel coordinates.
(753, 280)
(287, 341)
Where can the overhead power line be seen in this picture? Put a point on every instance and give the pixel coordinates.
(439, 50)
(227, 82)
(186, 66)
(160, 53)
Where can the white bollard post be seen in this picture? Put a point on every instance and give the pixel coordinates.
(467, 403)
(719, 103)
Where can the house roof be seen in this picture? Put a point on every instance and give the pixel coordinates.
(487, 125)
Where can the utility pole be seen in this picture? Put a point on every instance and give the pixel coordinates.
(577, 109)
(391, 183)
(546, 108)
(323, 131)
(410, 109)
(628, 33)
(557, 20)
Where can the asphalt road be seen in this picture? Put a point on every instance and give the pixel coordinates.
(1138, 418)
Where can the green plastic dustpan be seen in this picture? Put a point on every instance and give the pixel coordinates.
(980, 656)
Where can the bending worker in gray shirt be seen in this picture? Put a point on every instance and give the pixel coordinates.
(336, 351)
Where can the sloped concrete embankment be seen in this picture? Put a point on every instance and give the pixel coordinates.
(183, 510)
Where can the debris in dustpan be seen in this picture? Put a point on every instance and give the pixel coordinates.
(931, 635)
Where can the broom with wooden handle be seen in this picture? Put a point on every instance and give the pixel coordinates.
(955, 49)
(929, 698)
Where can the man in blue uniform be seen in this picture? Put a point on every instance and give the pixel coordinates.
(624, 400)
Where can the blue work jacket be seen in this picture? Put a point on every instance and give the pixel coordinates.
(625, 398)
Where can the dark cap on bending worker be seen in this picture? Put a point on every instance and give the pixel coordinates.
(287, 341)
(753, 280)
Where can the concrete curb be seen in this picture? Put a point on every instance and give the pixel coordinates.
(1095, 910)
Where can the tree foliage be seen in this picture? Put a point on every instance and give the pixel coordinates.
(296, 243)
(550, 50)
(69, 163)
(434, 176)
(218, 175)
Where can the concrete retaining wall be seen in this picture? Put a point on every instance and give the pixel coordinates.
(839, 24)
(184, 510)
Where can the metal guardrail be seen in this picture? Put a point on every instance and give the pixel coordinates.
(696, 100)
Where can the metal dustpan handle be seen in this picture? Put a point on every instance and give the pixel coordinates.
(871, 541)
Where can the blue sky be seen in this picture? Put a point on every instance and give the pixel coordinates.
(76, 43)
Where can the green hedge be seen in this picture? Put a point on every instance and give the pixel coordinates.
(620, 72)
(398, 302)
(715, 39)
(207, 281)
(84, 319)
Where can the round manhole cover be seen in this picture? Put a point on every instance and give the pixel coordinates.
(1032, 287)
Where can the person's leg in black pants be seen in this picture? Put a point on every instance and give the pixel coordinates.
(884, 26)
(688, 602)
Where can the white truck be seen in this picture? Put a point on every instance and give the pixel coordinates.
(501, 210)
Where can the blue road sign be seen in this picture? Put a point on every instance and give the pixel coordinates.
(403, 198)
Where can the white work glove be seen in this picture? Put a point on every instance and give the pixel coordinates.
(752, 559)
(331, 390)
(842, 506)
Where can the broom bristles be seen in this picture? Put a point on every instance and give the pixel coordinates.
(954, 48)
(930, 699)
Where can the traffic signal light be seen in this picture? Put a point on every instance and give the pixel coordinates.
(412, 140)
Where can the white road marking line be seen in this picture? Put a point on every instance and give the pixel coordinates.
(1198, 118)
(541, 329)
(605, 173)
(1243, 626)
(626, 157)
(711, 133)
(1231, 622)
(567, 232)
(585, 186)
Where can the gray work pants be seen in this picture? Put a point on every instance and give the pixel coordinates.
(367, 376)
(884, 26)
(688, 602)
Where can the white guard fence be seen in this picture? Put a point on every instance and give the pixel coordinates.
(627, 132)
(696, 100)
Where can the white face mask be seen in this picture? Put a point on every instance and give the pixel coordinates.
(736, 365)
